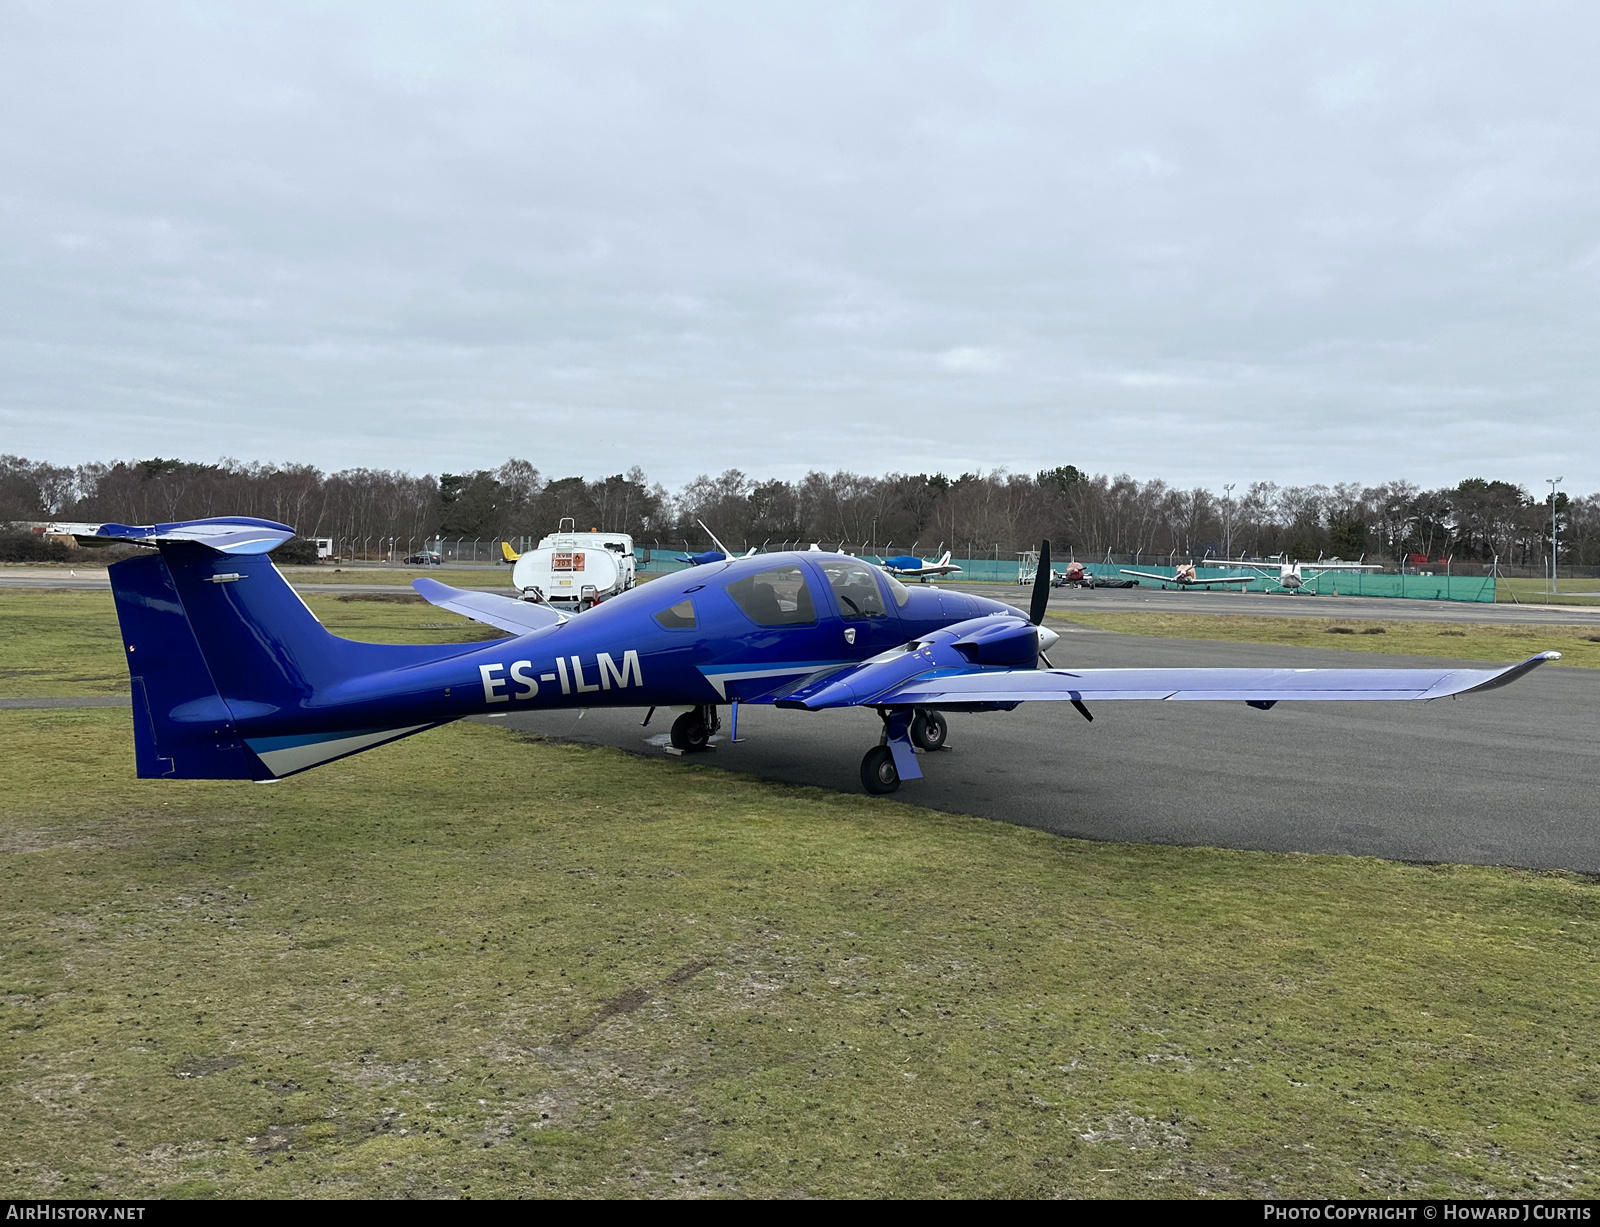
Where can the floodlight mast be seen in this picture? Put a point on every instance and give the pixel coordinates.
(1553, 481)
(1227, 520)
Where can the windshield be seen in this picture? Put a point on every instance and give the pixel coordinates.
(899, 591)
(855, 588)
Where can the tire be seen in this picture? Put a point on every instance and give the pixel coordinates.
(689, 732)
(929, 730)
(878, 774)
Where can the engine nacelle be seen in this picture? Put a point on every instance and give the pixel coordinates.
(1010, 642)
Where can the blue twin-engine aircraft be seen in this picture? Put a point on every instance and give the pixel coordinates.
(234, 677)
(911, 566)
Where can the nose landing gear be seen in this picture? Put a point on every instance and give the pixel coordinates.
(894, 759)
(878, 773)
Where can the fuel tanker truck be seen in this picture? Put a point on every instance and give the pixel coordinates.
(573, 570)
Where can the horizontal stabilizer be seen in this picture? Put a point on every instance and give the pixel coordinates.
(506, 613)
(225, 534)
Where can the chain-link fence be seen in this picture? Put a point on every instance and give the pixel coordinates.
(448, 551)
(1420, 585)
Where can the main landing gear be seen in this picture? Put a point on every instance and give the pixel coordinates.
(905, 730)
(929, 730)
(691, 732)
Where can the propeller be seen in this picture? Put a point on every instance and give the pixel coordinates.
(1041, 584)
(1041, 599)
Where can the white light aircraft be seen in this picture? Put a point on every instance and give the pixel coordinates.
(1292, 577)
(1187, 578)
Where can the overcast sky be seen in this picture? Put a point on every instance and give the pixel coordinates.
(1205, 242)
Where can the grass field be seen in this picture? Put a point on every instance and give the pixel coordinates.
(476, 964)
(1578, 645)
(67, 643)
(497, 579)
(471, 964)
(1537, 591)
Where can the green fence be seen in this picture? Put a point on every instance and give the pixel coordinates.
(1330, 583)
(1348, 583)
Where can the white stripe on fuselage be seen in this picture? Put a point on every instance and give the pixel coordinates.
(297, 758)
(719, 680)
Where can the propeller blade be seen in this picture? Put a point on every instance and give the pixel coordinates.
(1041, 584)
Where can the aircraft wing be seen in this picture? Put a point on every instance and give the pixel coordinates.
(951, 686)
(507, 613)
(1220, 685)
(1192, 583)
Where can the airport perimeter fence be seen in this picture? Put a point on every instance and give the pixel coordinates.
(1422, 586)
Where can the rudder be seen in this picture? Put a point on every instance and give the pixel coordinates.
(181, 726)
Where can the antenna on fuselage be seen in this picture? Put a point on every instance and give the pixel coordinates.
(726, 552)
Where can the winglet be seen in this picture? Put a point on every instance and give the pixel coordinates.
(1506, 676)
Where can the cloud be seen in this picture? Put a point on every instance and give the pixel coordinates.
(708, 237)
(969, 359)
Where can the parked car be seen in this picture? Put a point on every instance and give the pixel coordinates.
(424, 559)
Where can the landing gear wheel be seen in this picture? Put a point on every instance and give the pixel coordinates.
(878, 773)
(929, 730)
(689, 732)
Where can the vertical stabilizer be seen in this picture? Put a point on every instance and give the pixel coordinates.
(181, 726)
(234, 678)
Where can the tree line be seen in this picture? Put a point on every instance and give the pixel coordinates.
(973, 514)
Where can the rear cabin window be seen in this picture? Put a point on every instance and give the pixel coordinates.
(778, 597)
(855, 587)
(679, 617)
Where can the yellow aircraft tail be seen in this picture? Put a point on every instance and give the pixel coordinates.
(510, 554)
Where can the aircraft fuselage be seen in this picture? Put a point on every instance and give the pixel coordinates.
(619, 654)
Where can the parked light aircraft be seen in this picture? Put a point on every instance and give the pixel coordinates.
(720, 554)
(1076, 575)
(909, 566)
(1292, 577)
(1186, 577)
(1080, 576)
(233, 677)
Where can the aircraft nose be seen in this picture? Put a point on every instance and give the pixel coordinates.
(1047, 638)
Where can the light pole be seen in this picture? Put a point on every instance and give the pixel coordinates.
(1227, 520)
(1553, 481)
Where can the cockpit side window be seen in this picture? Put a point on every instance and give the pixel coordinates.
(779, 597)
(855, 587)
(679, 617)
